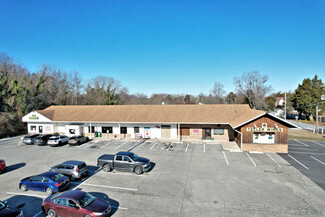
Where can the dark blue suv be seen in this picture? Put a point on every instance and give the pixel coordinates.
(50, 182)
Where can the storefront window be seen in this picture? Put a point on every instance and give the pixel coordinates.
(107, 129)
(218, 131)
(124, 130)
(32, 128)
(136, 130)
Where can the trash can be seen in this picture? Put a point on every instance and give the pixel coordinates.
(99, 134)
(96, 134)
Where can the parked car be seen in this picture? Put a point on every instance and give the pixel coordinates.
(7, 211)
(57, 140)
(49, 182)
(42, 140)
(29, 139)
(124, 161)
(75, 203)
(2, 165)
(78, 140)
(74, 169)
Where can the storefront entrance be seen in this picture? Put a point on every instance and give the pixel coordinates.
(208, 133)
(165, 131)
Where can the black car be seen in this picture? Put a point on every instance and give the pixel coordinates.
(42, 140)
(29, 139)
(6, 211)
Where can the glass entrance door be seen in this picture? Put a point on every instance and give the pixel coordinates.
(207, 133)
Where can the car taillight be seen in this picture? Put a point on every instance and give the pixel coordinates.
(54, 140)
(77, 170)
(58, 184)
(41, 140)
(68, 179)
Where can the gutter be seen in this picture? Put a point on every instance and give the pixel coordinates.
(241, 137)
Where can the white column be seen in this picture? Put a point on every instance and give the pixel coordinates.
(119, 131)
(179, 133)
(90, 130)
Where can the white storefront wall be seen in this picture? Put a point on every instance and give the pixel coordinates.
(155, 129)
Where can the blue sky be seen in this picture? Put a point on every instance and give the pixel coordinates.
(169, 46)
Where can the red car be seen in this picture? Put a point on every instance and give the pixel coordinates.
(75, 204)
(2, 166)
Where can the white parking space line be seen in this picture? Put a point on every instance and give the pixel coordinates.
(256, 152)
(89, 177)
(106, 144)
(225, 157)
(32, 195)
(114, 187)
(274, 161)
(121, 145)
(187, 147)
(86, 145)
(318, 160)
(318, 143)
(152, 146)
(303, 148)
(250, 158)
(118, 207)
(302, 143)
(203, 147)
(298, 162)
(169, 146)
(38, 213)
(298, 152)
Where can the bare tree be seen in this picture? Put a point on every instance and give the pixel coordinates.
(218, 92)
(254, 87)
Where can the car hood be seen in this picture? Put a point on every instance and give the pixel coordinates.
(142, 160)
(9, 212)
(98, 206)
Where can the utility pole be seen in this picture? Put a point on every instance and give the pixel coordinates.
(317, 117)
(285, 105)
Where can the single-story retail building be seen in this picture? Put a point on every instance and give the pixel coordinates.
(253, 130)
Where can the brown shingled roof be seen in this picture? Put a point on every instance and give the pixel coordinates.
(234, 114)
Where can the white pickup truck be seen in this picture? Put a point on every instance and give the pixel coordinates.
(57, 140)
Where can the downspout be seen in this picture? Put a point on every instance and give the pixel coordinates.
(119, 130)
(90, 131)
(179, 134)
(241, 139)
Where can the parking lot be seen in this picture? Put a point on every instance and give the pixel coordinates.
(187, 178)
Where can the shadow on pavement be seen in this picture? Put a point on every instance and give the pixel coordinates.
(14, 167)
(29, 204)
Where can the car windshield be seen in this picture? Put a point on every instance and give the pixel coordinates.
(2, 205)
(134, 157)
(53, 138)
(57, 177)
(27, 137)
(73, 137)
(86, 199)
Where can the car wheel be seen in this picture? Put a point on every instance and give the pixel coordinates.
(51, 213)
(23, 187)
(78, 143)
(107, 168)
(49, 190)
(60, 143)
(138, 170)
(0, 172)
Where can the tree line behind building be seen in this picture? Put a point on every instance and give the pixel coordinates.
(22, 91)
